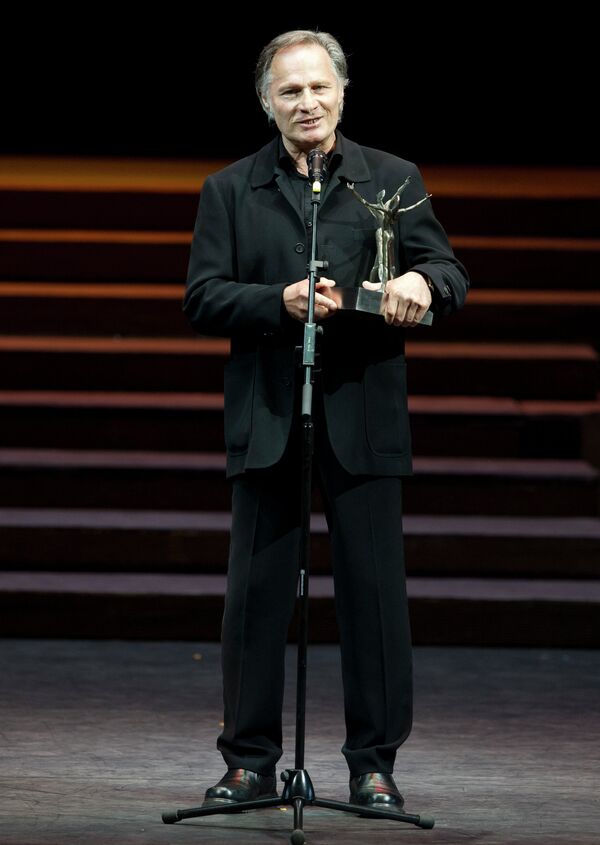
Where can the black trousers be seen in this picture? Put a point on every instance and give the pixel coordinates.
(364, 516)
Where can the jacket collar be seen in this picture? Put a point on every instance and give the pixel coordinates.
(352, 168)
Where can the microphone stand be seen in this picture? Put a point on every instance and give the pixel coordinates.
(298, 790)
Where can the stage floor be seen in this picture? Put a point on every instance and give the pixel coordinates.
(98, 738)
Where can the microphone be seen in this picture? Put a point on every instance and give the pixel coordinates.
(317, 168)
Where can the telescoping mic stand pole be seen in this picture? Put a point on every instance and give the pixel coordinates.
(298, 789)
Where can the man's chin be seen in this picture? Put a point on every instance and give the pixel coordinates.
(310, 140)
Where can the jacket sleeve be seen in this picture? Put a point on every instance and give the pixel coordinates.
(428, 251)
(217, 301)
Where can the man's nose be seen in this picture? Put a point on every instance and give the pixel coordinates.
(308, 100)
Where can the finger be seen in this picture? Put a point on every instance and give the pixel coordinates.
(410, 316)
(326, 282)
(402, 318)
(322, 311)
(396, 309)
(422, 310)
(390, 316)
(371, 285)
(330, 304)
(390, 312)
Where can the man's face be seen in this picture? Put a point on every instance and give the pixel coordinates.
(305, 97)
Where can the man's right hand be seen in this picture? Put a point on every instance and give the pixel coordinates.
(295, 299)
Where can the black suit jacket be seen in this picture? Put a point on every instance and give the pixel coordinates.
(249, 243)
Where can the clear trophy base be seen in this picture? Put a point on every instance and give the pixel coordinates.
(369, 301)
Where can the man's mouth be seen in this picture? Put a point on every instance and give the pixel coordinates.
(310, 122)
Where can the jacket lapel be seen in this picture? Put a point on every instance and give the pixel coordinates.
(353, 168)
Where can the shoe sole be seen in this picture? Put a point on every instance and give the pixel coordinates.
(392, 808)
(216, 802)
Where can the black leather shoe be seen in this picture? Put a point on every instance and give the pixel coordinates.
(241, 785)
(376, 790)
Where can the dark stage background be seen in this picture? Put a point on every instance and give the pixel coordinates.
(431, 86)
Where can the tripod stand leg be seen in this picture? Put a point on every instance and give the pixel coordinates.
(297, 837)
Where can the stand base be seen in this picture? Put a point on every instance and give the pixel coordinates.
(298, 792)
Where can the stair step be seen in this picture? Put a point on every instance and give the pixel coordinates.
(181, 541)
(94, 255)
(502, 427)
(532, 370)
(518, 216)
(472, 426)
(92, 309)
(443, 610)
(524, 263)
(175, 210)
(189, 481)
(539, 315)
(163, 194)
(130, 310)
(77, 174)
(170, 209)
(112, 420)
(85, 255)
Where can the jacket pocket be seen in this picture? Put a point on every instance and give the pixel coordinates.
(386, 408)
(238, 377)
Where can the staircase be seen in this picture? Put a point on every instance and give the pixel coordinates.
(114, 510)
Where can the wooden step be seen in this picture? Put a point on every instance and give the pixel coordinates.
(503, 427)
(468, 611)
(526, 315)
(565, 217)
(101, 174)
(171, 209)
(524, 262)
(131, 310)
(118, 193)
(174, 209)
(94, 255)
(472, 426)
(198, 542)
(532, 370)
(33, 308)
(191, 481)
(87, 255)
(112, 420)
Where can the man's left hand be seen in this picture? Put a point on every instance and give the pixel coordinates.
(406, 299)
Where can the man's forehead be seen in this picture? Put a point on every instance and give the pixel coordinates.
(300, 60)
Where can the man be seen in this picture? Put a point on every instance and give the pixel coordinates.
(247, 280)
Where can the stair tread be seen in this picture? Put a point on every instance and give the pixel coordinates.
(493, 405)
(116, 399)
(120, 345)
(506, 243)
(197, 345)
(160, 292)
(321, 586)
(503, 243)
(127, 236)
(414, 524)
(77, 173)
(92, 290)
(194, 461)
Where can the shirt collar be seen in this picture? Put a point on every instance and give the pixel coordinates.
(334, 158)
(347, 160)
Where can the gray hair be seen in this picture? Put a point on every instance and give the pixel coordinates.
(263, 74)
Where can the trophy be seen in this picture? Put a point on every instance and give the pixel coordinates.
(384, 268)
